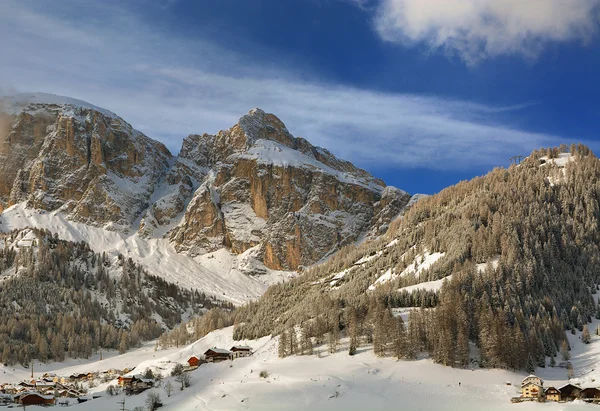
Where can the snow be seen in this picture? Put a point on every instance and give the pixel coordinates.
(272, 152)
(560, 161)
(219, 273)
(483, 266)
(15, 104)
(422, 262)
(332, 381)
(435, 285)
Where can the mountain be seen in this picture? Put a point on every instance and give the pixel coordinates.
(64, 154)
(254, 189)
(509, 262)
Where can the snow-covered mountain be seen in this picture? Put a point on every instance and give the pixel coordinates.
(253, 198)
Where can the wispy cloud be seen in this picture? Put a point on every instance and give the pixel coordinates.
(169, 87)
(479, 29)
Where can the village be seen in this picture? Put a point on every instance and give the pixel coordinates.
(532, 389)
(52, 389)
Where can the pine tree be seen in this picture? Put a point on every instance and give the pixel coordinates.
(283, 344)
(564, 351)
(585, 335)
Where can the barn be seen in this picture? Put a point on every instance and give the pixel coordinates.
(194, 362)
(35, 398)
(569, 392)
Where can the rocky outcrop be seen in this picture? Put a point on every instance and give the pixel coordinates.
(89, 163)
(297, 202)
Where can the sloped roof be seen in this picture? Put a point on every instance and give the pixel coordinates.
(218, 350)
(241, 347)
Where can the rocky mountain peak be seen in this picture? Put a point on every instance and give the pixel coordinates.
(253, 188)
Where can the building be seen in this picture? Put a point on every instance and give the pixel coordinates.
(569, 392)
(239, 351)
(531, 390)
(590, 394)
(532, 378)
(35, 398)
(217, 354)
(124, 381)
(552, 394)
(194, 362)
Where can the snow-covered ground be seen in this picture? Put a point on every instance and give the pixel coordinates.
(220, 273)
(332, 382)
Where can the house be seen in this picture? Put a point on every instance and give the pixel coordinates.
(532, 378)
(194, 362)
(569, 392)
(138, 384)
(531, 390)
(239, 351)
(35, 398)
(78, 377)
(124, 381)
(552, 394)
(217, 354)
(50, 376)
(590, 394)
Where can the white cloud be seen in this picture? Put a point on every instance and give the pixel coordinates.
(479, 29)
(169, 87)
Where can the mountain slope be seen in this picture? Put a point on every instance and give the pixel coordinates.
(519, 251)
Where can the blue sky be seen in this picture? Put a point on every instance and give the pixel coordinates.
(422, 93)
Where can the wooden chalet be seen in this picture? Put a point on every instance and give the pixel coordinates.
(590, 394)
(552, 394)
(239, 351)
(217, 354)
(124, 381)
(138, 384)
(569, 392)
(35, 398)
(194, 362)
(78, 377)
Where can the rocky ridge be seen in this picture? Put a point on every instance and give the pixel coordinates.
(254, 188)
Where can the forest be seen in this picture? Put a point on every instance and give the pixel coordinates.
(539, 223)
(60, 299)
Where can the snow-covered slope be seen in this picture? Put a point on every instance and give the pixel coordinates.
(221, 273)
(330, 382)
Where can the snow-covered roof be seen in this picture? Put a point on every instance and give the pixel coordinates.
(46, 397)
(531, 376)
(241, 347)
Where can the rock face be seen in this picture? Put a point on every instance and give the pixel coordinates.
(253, 186)
(75, 157)
(296, 202)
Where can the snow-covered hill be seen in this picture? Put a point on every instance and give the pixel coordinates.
(329, 382)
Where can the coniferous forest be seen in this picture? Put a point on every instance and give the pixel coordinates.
(59, 299)
(520, 245)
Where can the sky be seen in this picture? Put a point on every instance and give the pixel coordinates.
(421, 93)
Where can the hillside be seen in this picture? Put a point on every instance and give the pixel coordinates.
(60, 299)
(508, 260)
